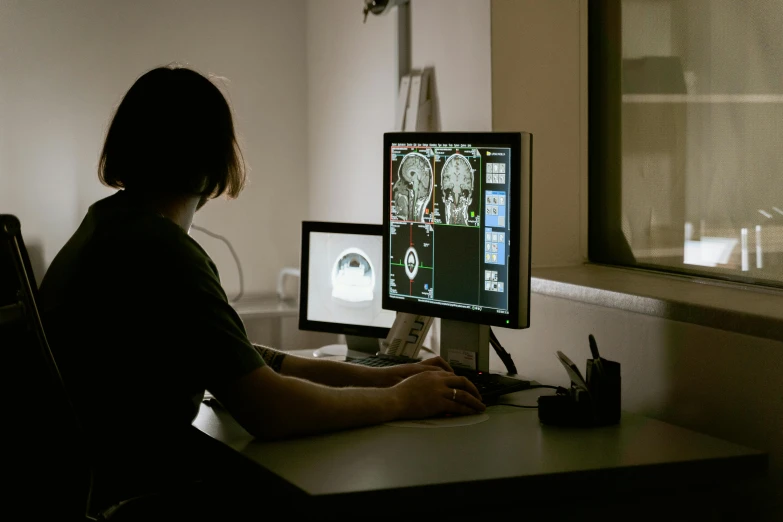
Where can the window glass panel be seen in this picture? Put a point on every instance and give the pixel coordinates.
(701, 187)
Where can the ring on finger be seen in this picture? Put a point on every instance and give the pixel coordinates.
(454, 395)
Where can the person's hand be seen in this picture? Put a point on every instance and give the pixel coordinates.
(432, 393)
(391, 375)
(438, 362)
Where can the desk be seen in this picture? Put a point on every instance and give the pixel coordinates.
(508, 455)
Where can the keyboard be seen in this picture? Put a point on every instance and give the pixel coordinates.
(380, 360)
(490, 385)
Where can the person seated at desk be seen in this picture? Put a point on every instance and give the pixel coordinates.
(140, 324)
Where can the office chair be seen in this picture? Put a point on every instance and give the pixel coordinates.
(51, 468)
(51, 464)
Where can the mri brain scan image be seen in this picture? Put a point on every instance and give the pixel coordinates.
(413, 187)
(411, 263)
(456, 183)
(353, 277)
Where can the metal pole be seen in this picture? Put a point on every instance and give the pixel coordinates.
(403, 40)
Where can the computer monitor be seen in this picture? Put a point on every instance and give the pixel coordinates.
(456, 234)
(340, 285)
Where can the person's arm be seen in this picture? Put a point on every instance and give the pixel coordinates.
(340, 374)
(272, 406)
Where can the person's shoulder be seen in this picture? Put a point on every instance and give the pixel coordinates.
(162, 234)
(144, 237)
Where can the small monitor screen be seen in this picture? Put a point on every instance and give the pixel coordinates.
(343, 275)
(455, 238)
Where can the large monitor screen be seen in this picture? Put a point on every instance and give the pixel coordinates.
(341, 279)
(457, 226)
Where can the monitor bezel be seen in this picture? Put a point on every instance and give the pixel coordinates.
(518, 268)
(322, 326)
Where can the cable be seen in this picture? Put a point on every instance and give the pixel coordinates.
(502, 353)
(236, 260)
(558, 388)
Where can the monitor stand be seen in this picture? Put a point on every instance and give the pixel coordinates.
(356, 346)
(465, 344)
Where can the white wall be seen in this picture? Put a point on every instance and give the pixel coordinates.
(65, 65)
(723, 384)
(537, 86)
(352, 86)
(352, 72)
(453, 37)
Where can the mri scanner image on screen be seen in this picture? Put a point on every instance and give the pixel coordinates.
(344, 280)
(353, 277)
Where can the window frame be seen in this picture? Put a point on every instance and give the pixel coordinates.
(606, 243)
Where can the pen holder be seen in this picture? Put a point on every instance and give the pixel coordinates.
(597, 404)
(604, 385)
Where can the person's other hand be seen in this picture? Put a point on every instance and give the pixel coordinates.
(438, 362)
(432, 393)
(391, 375)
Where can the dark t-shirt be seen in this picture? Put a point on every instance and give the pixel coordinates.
(140, 326)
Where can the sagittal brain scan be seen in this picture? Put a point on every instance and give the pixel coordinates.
(353, 277)
(456, 185)
(412, 190)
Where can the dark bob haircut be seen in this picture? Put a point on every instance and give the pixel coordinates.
(173, 134)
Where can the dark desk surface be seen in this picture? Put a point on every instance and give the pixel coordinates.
(509, 451)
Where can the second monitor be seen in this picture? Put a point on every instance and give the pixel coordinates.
(340, 289)
(456, 227)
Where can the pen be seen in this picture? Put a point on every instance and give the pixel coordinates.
(596, 356)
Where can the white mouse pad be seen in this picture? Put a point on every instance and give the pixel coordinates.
(443, 422)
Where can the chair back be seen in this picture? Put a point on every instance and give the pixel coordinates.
(49, 467)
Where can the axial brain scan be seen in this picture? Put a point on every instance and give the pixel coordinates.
(457, 189)
(353, 278)
(413, 187)
(411, 263)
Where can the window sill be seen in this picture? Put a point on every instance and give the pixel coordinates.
(733, 307)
